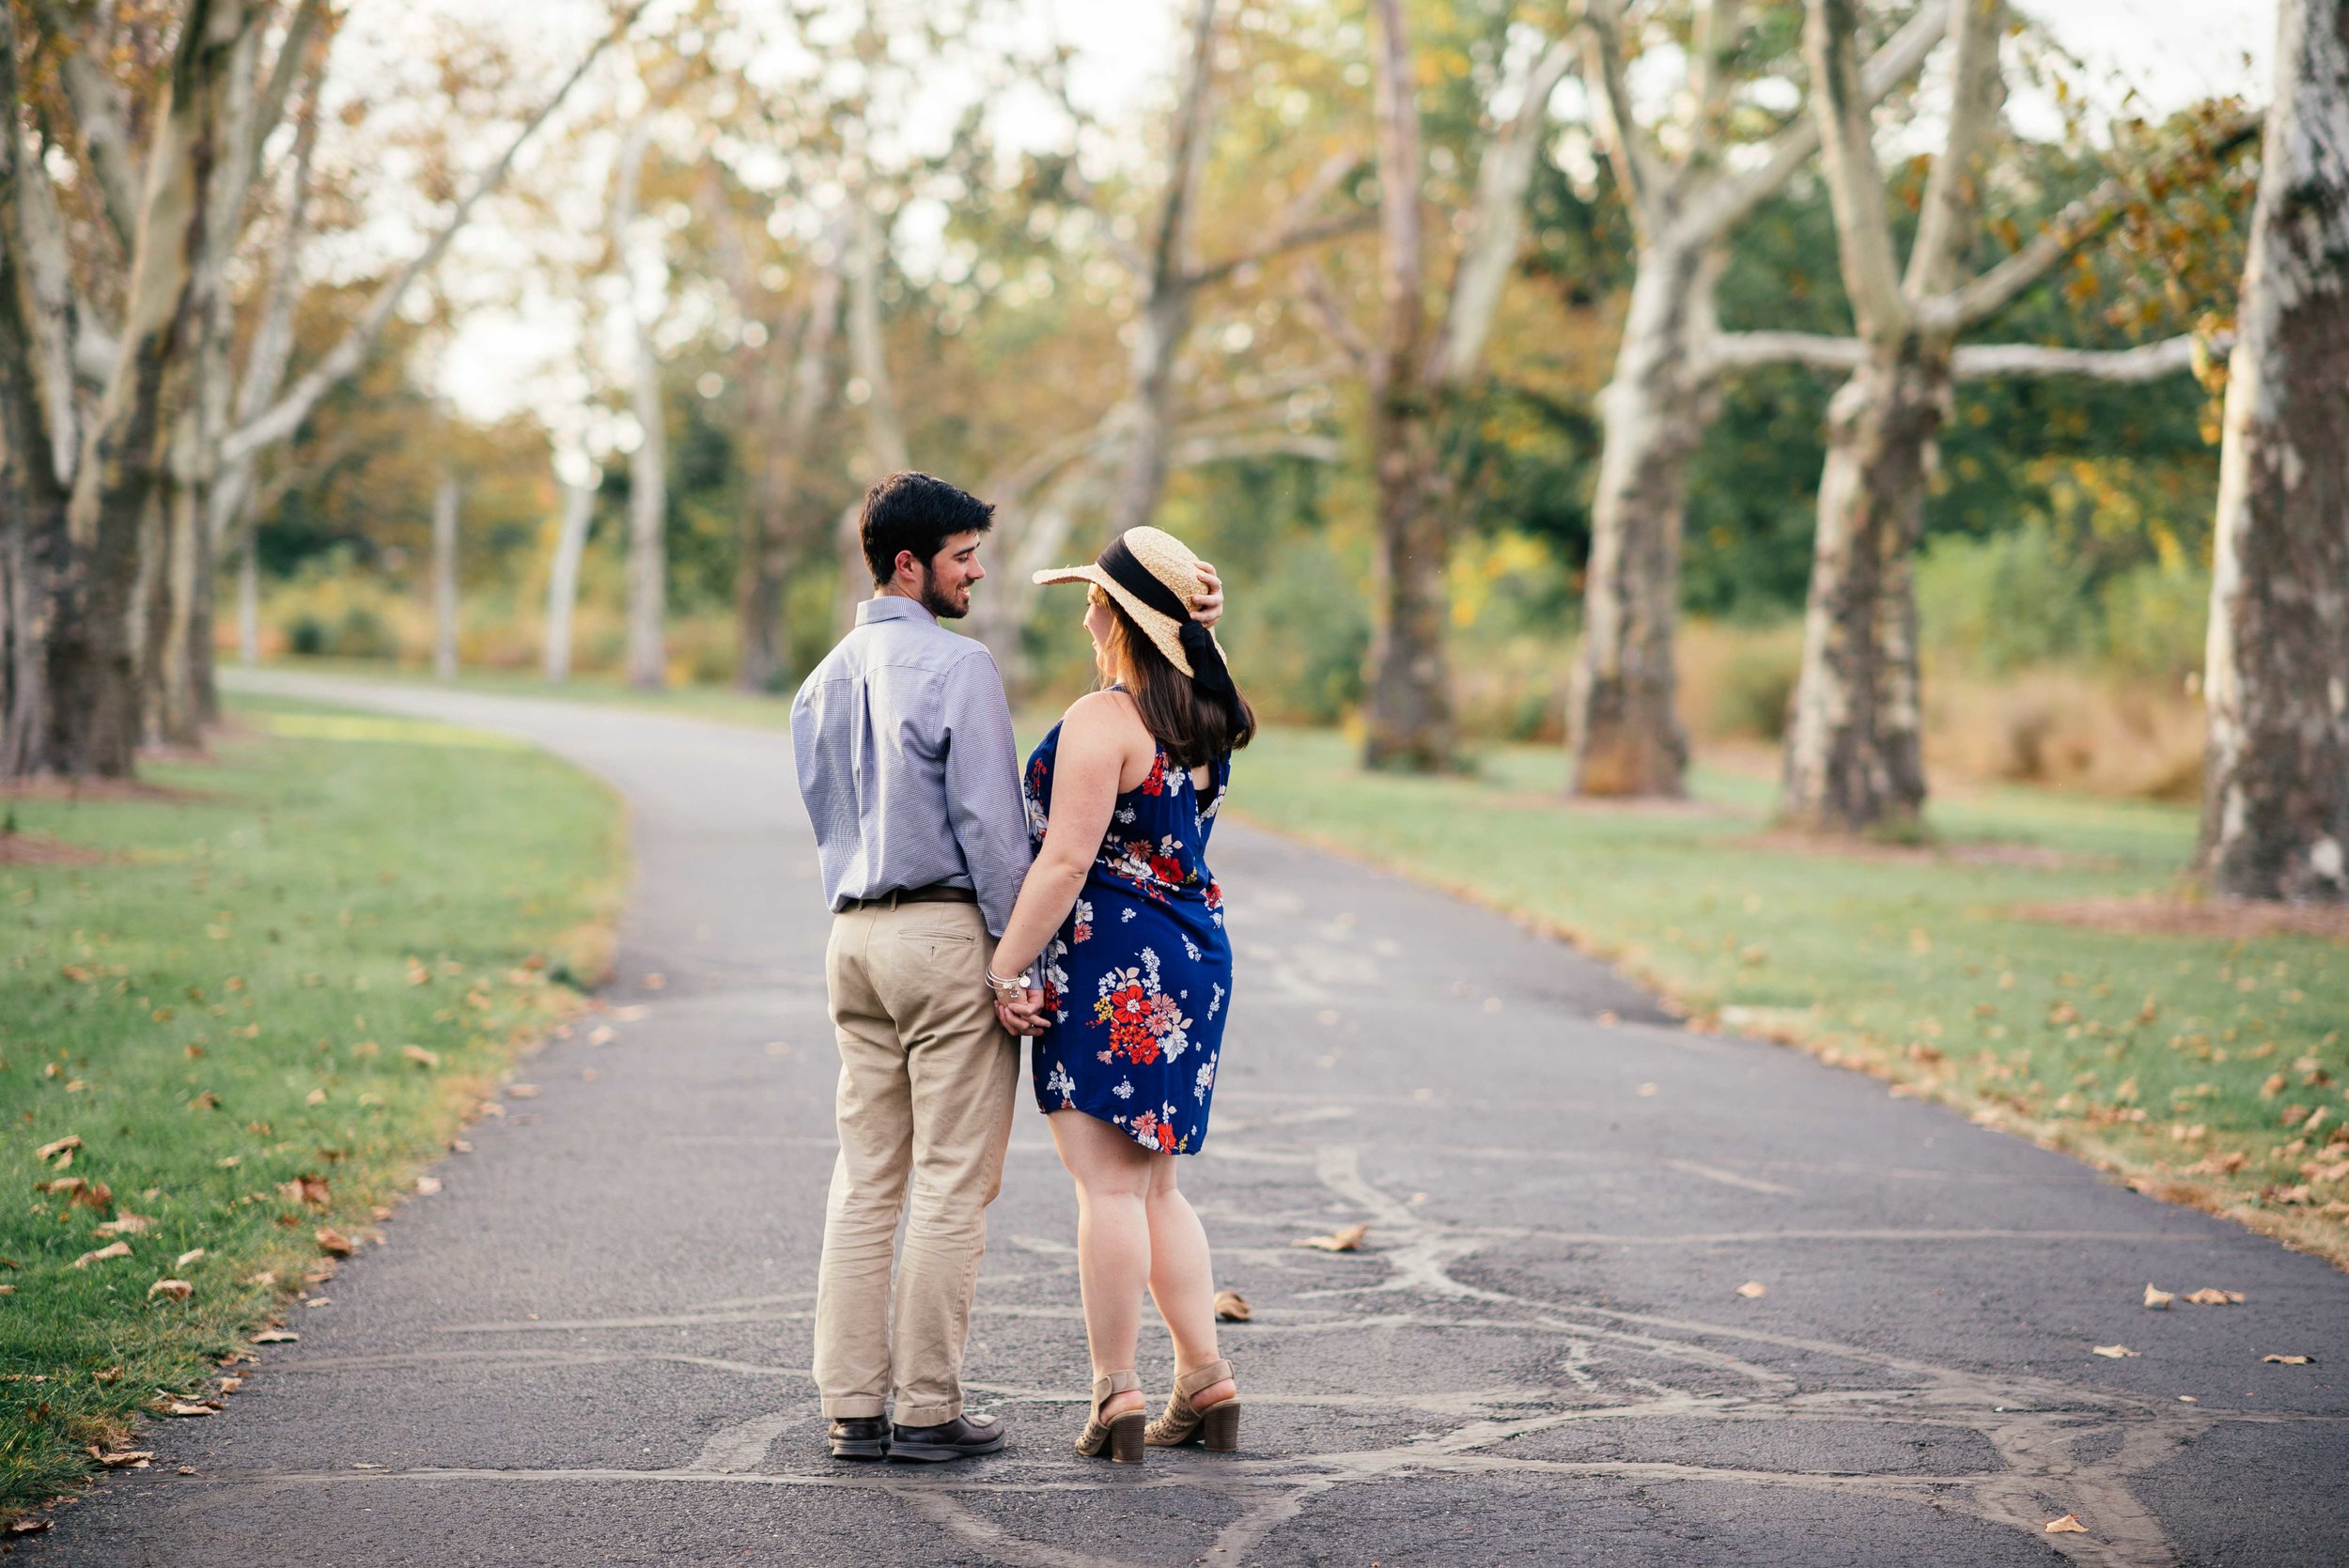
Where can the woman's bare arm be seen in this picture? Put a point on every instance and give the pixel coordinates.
(1100, 740)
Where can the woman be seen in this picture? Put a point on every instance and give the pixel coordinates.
(1122, 926)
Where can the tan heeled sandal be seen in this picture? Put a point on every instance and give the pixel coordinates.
(1120, 1436)
(1217, 1426)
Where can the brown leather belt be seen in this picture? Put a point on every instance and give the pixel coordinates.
(936, 892)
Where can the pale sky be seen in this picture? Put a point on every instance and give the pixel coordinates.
(2170, 52)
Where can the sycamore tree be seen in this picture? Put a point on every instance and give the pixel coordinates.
(1855, 739)
(2276, 778)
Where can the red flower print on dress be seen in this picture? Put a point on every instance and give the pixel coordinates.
(1156, 783)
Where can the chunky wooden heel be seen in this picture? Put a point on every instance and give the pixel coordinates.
(1120, 1437)
(1217, 1426)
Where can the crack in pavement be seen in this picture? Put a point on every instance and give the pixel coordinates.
(2034, 1427)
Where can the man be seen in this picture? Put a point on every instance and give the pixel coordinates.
(908, 766)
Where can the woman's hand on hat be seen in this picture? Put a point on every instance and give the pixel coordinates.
(1206, 606)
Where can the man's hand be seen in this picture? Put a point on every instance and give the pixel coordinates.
(1206, 606)
(1024, 1016)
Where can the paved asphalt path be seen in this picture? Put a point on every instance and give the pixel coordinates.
(592, 1345)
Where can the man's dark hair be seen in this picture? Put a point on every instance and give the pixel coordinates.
(920, 513)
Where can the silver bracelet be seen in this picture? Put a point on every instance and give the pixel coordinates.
(1003, 987)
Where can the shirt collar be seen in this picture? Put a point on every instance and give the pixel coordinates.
(892, 607)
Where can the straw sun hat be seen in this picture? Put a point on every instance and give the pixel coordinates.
(1153, 575)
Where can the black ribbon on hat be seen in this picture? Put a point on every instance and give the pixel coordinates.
(1208, 668)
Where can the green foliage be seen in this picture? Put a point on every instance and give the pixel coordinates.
(2014, 598)
(222, 1005)
(2155, 620)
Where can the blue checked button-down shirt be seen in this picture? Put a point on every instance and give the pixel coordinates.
(908, 765)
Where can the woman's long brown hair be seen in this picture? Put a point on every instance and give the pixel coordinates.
(1195, 728)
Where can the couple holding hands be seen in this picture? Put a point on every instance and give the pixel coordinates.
(975, 902)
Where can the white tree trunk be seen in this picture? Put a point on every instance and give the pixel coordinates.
(1626, 738)
(884, 427)
(248, 600)
(2276, 778)
(571, 544)
(445, 578)
(648, 662)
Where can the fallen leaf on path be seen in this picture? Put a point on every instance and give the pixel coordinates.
(654, 982)
(2286, 1361)
(2158, 1301)
(1646, 1090)
(2208, 1296)
(1231, 1307)
(113, 1250)
(276, 1336)
(333, 1240)
(319, 1301)
(2069, 1525)
(187, 1469)
(178, 1290)
(603, 1034)
(187, 1408)
(28, 1527)
(2111, 1352)
(1346, 1238)
(522, 1091)
(427, 1185)
(120, 1458)
(420, 1056)
(1753, 1290)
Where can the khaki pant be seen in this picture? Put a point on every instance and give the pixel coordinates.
(927, 1079)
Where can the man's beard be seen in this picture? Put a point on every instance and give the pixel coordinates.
(935, 601)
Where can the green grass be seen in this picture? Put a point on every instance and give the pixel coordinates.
(223, 1005)
(1915, 966)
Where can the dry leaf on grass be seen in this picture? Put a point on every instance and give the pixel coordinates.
(2208, 1296)
(2285, 1360)
(276, 1336)
(178, 1290)
(1346, 1238)
(306, 1190)
(2158, 1301)
(193, 1255)
(126, 1223)
(333, 1241)
(1753, 1290)
(420, 1056)
(139, 1457)
(2069, 1525)
(1231, 1307)
(62, 1150)
(113, 1250)
(2111, 1352)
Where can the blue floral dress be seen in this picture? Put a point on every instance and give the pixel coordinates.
(1138, 979)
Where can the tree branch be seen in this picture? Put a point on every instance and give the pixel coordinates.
(1187, 159)
(269, 106)
(1190, 452)
(1501, 178)
(102, 116)
(1332, 316)
(1727, 199)
(1295, 238)
(2149, 362)
(1640, 169)
(1742, 350)
(1951, 204)
(2074, 227)
(1863, 230)
(350, 352)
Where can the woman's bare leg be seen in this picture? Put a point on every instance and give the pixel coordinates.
(1182, 1276)
(1113, 1175)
